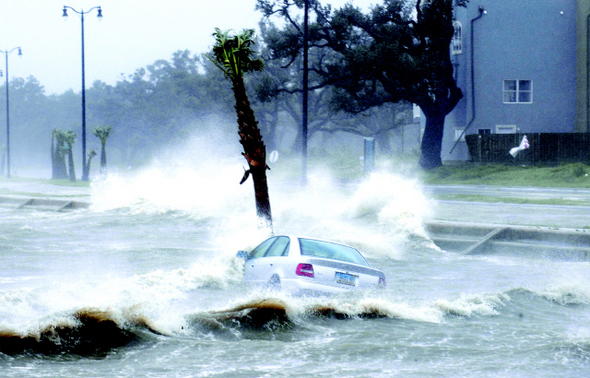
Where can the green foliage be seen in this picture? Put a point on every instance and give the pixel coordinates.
(399, 50)
(102, 133)
(234, 54)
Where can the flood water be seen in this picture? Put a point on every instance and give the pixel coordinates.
(146, 283)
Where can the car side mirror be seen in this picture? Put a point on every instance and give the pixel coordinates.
(243, 255)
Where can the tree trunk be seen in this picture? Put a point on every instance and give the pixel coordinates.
(53, 161)
(432, 140)
(61, 164)
(254, 151)
(71, 165)
(103, 157)
(382, 141)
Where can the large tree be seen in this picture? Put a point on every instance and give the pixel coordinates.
(397, 51)
(235, 57)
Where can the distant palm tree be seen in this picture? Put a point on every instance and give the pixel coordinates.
(235, 57)
(70, 138)
(58, 151)
(91, 154)
(103, 134)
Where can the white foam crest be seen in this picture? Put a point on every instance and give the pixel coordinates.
(301, 306)
(376, 216)
(393, 201)
(218, 273)
(159, 295)
(397, 310)
(159, 189)
(473, 304)
(312, 210)
(575, 291)
(202, 176)
(393, 208)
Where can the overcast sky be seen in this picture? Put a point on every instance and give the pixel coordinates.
(131, 34)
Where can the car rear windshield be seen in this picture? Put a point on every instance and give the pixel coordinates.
(327, 250)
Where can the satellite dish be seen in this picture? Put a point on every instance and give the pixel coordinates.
(274, 156)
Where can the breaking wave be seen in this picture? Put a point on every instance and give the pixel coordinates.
(92, 331)
(474, 304)
(85, 332)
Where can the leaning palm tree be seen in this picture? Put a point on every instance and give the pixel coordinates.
(235, 57)
(103, 134)
(91, 154)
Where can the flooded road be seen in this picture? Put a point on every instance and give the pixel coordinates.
(145, 282)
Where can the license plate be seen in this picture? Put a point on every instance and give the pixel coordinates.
(346, 279)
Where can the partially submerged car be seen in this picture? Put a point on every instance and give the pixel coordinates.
(309, 265)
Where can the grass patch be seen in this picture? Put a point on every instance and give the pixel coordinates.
(516, 200)
(77, 183)
(572, 175)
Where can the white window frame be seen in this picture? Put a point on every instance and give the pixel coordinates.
(457, 41)
(516, 93)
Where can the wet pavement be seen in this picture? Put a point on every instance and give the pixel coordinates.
(557, 216)
(43, 190)
(554, 216)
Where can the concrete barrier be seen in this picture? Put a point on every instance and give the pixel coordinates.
(547, 242)
(43, 203)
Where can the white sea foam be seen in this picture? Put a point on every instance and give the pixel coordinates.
(473, 304)
(568, 293)
(377, 216)
(201, 176)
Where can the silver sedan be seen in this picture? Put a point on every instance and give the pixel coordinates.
(309, 265)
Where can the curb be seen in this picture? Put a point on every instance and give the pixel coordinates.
(476, 239)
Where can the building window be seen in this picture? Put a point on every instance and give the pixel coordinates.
(518, 91)
(457, 41)
(459, 134)
(484, 131)
(505, 129)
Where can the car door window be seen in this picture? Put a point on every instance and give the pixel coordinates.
(279, 247)
(262, 248)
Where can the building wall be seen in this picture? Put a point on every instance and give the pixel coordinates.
(582, 65)
(515, 40)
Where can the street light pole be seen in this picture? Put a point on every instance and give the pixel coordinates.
(305, 93)
(6, 52)
(82, 13)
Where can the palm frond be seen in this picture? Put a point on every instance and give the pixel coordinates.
(234, 54)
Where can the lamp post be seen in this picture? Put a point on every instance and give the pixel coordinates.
(65, 16)
(305, 92)
(6, 52)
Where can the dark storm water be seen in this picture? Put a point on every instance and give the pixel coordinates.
(145, 283)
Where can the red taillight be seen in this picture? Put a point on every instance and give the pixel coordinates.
(304, 270)
(382, 282)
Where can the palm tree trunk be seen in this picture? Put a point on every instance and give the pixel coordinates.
(71, 165)
(103, 156)
(254, 151)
